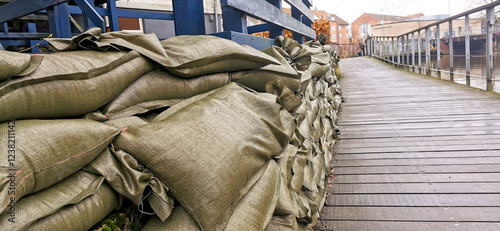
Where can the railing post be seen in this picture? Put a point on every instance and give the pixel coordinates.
(383, 48)
(407, 51)
(438, 51)
(274, 30)
(490, 65)
(398, 50)
(450, 44)
(392, 48)
(427, 51)
(112, 15)
(189, 18)
(413, 51)
(467, 51)
(297, 15)
(59, 20)
(419, 43)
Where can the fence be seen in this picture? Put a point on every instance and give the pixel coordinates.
(345, 50)
(188, 17)
(396, 49)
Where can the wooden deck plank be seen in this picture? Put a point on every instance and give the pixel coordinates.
(415, 153)
(407, 226)
(422, 188)
(429, 214)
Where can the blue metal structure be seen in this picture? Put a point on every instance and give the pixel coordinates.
(188, 16)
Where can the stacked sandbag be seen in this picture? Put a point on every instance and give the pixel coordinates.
(121, 118)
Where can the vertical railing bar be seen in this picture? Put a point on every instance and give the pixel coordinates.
(413, 51)
(419, 53)
(450, 44)
(408, 51)
(438, 50)
(399, 54)
(467, 51)
(427, 51)
(490, 21)
(392, 48)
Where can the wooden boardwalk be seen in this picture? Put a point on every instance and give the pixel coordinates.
(416, 153)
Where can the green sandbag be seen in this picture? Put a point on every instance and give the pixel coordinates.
(186, 56)
(158, 88)
(83, 215)
(280, 223)
(179, 220)
(258, 78)
(190, 56)
(298, 57)
(130, 179)
(180, 147)
(70, 94)
(46, 152)
(255, 209)
(17, 64)
(286, 200)
(69, 191)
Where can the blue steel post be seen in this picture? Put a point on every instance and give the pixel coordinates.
(297, 15)
(275, 30)
(234, 20)
(308, 23)
(112, 16)
(87, 23)
(189, 17)
(32, 29)
(91, 14)
(59, 20)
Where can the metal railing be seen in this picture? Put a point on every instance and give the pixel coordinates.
(345, 50)
(396, 49)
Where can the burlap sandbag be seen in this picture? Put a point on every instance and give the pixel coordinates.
(69, 191)
(48, 151)
(130, 179)
(158, 88)
(48, 93)
(190, 56)
(83, 215)
(179, 220)
(280, 223)
(17, 64)
(298, 57)
(255, 209)
(258, 78)
(180, 145)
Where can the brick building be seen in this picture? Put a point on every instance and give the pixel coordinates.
(362, 26)
(339, 28)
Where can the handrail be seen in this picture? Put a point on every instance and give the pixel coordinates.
(382, 47)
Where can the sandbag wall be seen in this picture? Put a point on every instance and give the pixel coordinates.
(210, 134)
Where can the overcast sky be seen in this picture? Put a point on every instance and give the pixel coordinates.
(350, 10)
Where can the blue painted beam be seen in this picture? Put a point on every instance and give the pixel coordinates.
(189, 17)
(234, 20)
(31, 30)
(298, 16)
(303, 8)
(258, 43)
(126, 13)
(275, 30)
(5, 28)
(87, 22)
(19, 8)
(59, 20)
(264, 11)
(112, 15)
(89, 11)
(307, 3)
(26, 36)
(258, 28)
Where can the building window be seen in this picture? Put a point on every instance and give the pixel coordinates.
(334, 37)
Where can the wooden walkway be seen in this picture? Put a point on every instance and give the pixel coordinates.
(416, 153)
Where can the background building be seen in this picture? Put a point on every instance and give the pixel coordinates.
(362, 26)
